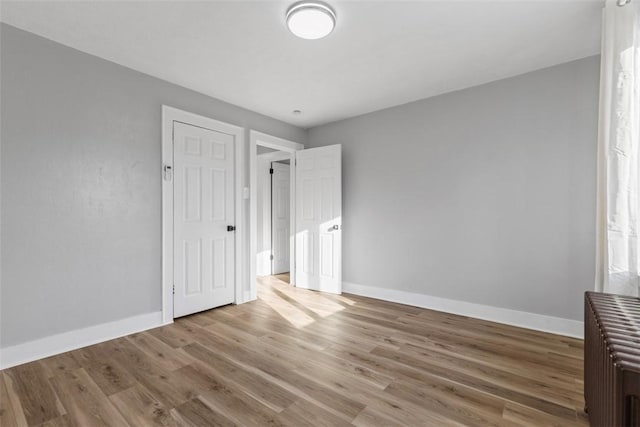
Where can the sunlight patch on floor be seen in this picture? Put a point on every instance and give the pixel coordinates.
(288, 311)
(325, 307)
(309, 301)
(341, 299)
(300, 307)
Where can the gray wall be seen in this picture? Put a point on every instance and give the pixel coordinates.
(484, 195)
(81, 187)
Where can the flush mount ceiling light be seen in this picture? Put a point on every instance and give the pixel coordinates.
(310, 20)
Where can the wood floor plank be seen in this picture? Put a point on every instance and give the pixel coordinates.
(551, 376)
(494, 335)
(60, 363)
(538, 402)
(266, 323)
(362, 373)
(63, 421)
(380, 304)
(225, 398)
(438, 400)
(369, 417)
(141, 408)
(262, 360)
(304, 413)
(195, 413)
(523, 353)
(502, 330)
(400, 409)
(84, 401)
(8, 416)
(172, 335)
(38, 402)
(246, 349)
(511, 380)
(524, 416)
(165, 356)
(300, 358)
(266, 361)
(268, 393)
(99, 363)
(449, 391)
(164, 385)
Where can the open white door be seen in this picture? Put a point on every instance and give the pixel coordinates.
(319, 219)
(204, 212)
(280, 217)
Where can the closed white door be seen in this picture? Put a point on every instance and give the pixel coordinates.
(319, 219)
(280, 217)
(203, 209)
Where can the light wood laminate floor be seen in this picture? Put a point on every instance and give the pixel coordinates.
(298, 358)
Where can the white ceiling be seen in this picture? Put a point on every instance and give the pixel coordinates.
(382, 53)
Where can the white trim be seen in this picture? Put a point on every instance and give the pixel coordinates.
(538, 322)
(274, 156)
(263, 186)
(241, 248)
(169, 115)
(72, 340)
(258, 138)
(273, 142)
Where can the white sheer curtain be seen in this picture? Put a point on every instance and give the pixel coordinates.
(618, 214)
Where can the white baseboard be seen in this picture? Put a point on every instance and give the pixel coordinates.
(538, 322)
(67, 341)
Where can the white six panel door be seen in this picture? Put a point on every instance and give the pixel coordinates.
(280, 217)
(203, 207)
(319, 219)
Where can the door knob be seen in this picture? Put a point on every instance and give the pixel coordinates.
(231, 228)
(335, 227)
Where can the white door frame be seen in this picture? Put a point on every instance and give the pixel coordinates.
(261, 139)
(169, 115)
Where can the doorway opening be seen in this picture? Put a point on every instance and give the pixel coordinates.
(315, 214)
(272, 173)
(273, 202)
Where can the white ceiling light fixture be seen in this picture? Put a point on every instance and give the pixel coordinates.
(311, 20)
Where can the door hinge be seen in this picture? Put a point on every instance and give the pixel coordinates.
(271, 171)
(271, 257)
(174, 289)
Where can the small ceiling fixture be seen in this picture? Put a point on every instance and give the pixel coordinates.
(296, 112)
(311, 20)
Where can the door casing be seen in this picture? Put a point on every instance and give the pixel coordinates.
(261, 139)
(170, 115)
